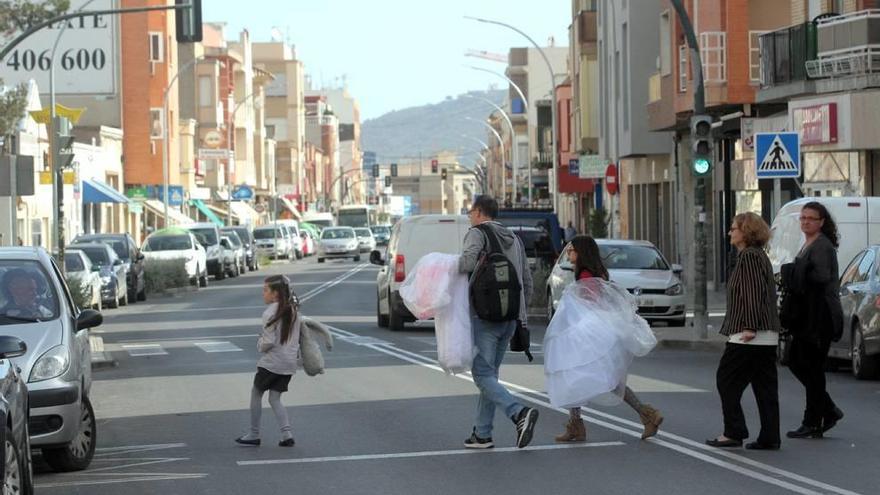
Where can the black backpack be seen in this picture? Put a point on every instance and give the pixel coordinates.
(494, 286)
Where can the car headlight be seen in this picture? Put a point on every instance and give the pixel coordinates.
(675, 290)
(52, 363)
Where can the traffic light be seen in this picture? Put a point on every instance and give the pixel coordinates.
(387, 181)
(189, 21)
(443, 174)
(393, 170)
(434, 165)
(375, 170)
(63, 144)
(701, 150)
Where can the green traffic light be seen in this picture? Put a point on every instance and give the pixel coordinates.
(702, 166)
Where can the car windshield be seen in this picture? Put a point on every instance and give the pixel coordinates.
(337, 234)
(97, 255)
(73, 263)
(363, 232)
(380, 229)
(268, 233)
(117, 245)
(26, 293)
(168, 243)
(233, 240)
(242, 233)
(209, 235)
(625, 257)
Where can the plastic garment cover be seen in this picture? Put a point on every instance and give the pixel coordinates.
(435, 289)
(591, 342)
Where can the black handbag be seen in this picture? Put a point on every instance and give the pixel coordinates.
(521, 341)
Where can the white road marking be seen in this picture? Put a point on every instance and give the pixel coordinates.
(433, 453)
(128, 449)
(217, 346)
(144, 461)
(124, 480)
(691, 448)
(139, 350)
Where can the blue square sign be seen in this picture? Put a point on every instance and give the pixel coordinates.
(777, 155)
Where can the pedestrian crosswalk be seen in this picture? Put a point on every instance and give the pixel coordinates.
(162, 349)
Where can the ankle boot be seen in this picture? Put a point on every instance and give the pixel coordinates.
(575, 431)
(652, 419)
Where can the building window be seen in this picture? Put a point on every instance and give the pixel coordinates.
(665, 44)
(156, 123)
(206, 92)
(755, 55)
(157, 49)
(36, 232)
(713, 52)
(682, 68)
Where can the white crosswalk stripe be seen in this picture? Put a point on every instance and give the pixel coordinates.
(138, 350)
(218, 346)
(161, 349)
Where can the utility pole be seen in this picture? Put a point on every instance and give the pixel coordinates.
(701, 316)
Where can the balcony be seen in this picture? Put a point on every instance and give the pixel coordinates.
(784, 57)
(848, 45)
(587, 26)
(543, 160)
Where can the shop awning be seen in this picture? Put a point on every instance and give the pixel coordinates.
(202, 207)
(291, 207)
(175, 217)
(245, 213)
(95, 191)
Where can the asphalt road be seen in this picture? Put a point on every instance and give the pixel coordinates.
(384, 419)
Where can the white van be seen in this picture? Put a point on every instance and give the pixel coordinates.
(411, 238)
(857, 218)
(292, 227)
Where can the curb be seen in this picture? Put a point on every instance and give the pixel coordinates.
(176, 292)
(100, 358)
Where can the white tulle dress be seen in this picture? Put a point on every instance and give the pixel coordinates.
(590, 343)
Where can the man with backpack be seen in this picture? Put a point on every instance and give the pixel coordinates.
(500, 288)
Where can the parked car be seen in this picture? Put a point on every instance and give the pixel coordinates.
(232, 255)
(17, 474)
(411, 238)
(272, 241)
(171, 244)
(35, 306)
(294, 239)
(382, 233)
(308, 243)
(78, 267)
(114, 281)
(208, 235)
(535, 217)
(128, 251)
(638, 267)
(338, 242)
(860, 299)
(366, 241)
(246, 235)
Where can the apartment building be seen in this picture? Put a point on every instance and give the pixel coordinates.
(323, 131)
(347, 111)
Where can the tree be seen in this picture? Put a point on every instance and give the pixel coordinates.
(16, 16)
(598, 223)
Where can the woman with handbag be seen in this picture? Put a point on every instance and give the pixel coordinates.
(752, 328)
(279, 348)
(583, 254)
(814, 282)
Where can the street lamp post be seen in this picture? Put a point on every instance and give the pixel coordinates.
(553, 134)
(514, 152)
(500, 144)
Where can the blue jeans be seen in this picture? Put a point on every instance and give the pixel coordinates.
(491, 340)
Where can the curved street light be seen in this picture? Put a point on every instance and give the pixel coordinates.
(514, 152)
(503, 156)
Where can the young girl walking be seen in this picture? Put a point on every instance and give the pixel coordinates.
(279, 346)
(583, 254)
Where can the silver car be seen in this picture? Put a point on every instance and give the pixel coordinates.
(641, 269)
(114, 275)
(339, 242)
(860, 299)
(35, 306)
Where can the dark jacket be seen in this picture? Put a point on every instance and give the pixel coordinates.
(751, 295)
(813, 280)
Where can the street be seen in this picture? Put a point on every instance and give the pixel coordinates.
(385, 419)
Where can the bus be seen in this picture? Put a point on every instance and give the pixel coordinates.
(356, 216)
(319, 219)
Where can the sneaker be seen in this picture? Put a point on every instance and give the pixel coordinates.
(475, 442)
(287, 442)
(525, 426)
(244, 440)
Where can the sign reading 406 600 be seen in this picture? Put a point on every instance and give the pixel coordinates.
(85, 61)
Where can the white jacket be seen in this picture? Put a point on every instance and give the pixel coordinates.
(276, 357)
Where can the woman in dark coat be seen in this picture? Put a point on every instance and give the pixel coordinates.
(814, 282)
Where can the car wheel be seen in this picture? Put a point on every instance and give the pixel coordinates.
(395, 320)
(203, 279)
(381, 320)
(234, 272)
(14, 466)
(77, 455)
(221, 274)
(320, 260)
(864, 367)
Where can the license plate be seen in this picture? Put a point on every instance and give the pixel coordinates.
(646, 302)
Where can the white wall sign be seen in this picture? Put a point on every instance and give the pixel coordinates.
(85, 62)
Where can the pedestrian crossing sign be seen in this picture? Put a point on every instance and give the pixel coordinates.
(777, 155)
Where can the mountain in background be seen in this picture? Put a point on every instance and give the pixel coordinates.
(407, 134)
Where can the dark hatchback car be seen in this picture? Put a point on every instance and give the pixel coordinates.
(247, 238)
(128, 252)
(17, 471)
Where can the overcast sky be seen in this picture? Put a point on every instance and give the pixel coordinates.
(395, 53)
